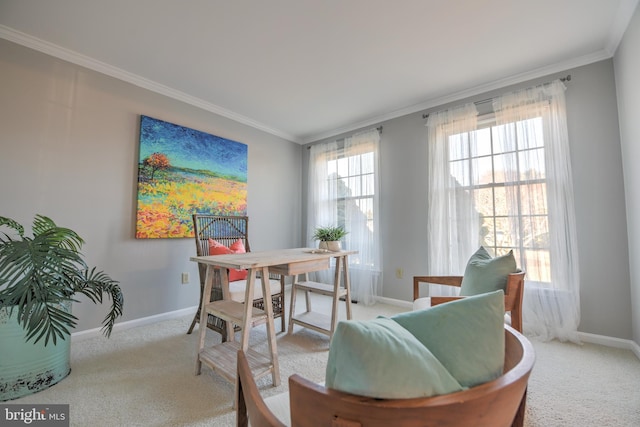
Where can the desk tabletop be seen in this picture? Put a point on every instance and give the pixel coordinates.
(251, 260)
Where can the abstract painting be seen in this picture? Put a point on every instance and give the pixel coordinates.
(182, 171)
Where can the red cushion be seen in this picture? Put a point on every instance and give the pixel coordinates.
(217, 248)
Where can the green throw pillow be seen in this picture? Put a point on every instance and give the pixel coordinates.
(381, 359)
(486, 274)
(466, 335)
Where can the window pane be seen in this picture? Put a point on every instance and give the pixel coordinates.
(500, 201)
(481, 142)
(487, 232)
(354, 186)
(343, 167)
(533, 199)
(529, 133)
(507, 232)
(367, 163)
(483, 198)
(354, 165)
(505, 167)
(532, 164)
(482, 171)
(535, 230)
(459, 146)
(367, 185)
(503, 138)
(460, 172)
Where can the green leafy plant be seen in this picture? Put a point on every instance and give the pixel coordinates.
(40, 274)
(329, 233)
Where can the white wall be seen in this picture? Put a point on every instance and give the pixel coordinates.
(69, 150)
(599, 198)
(627, 70)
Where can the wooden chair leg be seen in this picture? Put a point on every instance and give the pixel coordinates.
(518, 421)
(193, 322)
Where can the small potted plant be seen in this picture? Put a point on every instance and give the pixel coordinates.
(39, 278)
(329, 237)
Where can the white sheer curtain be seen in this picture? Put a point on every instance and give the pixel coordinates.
(506, 184)
(344, 190)
(453, 222)
(552, 300)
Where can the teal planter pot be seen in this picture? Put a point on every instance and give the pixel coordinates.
(27, 368)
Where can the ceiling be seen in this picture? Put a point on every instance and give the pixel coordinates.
(309, 69)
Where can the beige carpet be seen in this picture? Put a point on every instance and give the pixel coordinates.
(145, 377)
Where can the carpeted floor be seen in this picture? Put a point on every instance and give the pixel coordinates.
(145, 377)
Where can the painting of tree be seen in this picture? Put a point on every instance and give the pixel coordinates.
(182, 171)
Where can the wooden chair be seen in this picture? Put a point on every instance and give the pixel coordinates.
(498, 403)
(512, 296)
(227, 230)
(250, 405)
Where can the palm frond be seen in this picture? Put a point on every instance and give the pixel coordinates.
(40, 274)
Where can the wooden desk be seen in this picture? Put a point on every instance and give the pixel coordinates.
(222, 357)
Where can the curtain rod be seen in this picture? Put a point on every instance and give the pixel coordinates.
(379, 129)
(484, 101)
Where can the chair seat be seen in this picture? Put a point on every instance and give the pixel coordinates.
(238, 287)
(420, 303)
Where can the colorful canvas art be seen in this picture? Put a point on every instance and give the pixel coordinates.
(182, 171)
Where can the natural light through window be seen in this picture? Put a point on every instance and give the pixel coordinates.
(505, 177)
(354, 176)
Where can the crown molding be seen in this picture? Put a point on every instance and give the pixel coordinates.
(73, 57)
(467, 93)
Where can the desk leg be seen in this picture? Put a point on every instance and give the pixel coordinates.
(271, 332)
(202, 328)
(336, 297)
(226, 295)
(292, 303)
(347, 284)
(248, 307)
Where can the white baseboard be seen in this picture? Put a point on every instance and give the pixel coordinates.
(611, 342)
(91, 333)
(396, 302)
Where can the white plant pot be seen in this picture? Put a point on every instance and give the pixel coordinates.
(333, 246)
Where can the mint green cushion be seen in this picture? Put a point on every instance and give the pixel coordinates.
(486, 274)
(379, 358)
(466, 335)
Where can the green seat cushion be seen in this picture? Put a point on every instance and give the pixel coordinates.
(381, 359)
(486, 274)
(466, 335)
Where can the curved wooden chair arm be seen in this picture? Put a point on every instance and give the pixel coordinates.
(437, 280)
(251, 406)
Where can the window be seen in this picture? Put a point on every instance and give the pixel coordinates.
(503, 171)
(354, 179)
(506, 183)
(343, 190)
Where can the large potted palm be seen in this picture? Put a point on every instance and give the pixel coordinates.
(40, 277)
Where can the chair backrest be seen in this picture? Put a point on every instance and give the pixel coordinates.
(250, 406)
(513, 298)
(493, 404)
(224, 229)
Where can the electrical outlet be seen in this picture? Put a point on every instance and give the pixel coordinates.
(185, 278)
(399, 273)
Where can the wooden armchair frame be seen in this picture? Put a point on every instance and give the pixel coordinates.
(497, 403)
(250, 404)
(512, 296)
(227, 230)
